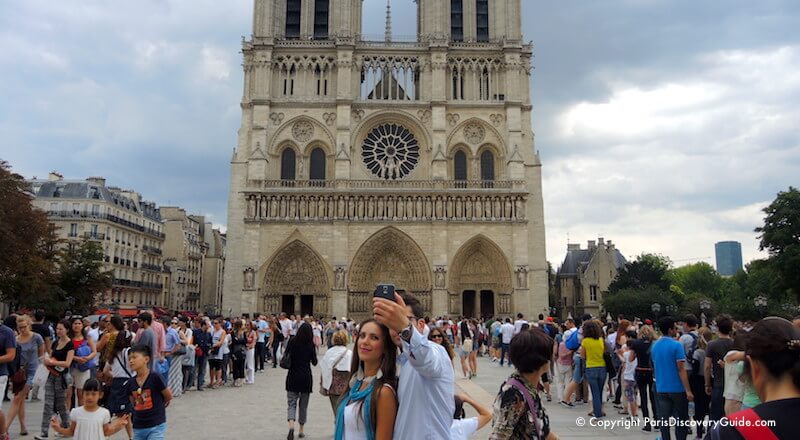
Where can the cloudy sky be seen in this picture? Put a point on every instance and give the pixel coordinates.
(662, 125)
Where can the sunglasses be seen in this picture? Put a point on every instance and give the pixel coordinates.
(437, 336)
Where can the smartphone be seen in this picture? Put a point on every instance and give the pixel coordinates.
(385, 291)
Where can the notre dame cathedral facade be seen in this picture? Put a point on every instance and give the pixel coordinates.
(361, 161)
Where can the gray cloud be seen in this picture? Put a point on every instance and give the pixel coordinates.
(664, 125)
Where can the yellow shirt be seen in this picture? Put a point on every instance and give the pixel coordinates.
(594, 352)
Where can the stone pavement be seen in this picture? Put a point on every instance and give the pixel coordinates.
(259, 411)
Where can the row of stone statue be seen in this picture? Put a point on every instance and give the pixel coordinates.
(396, 208)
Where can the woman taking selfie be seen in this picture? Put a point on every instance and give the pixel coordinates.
(772, 366)
(369, 408)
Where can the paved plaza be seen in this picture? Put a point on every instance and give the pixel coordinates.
(259, 411)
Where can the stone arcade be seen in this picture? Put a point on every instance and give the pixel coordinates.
(409, 162)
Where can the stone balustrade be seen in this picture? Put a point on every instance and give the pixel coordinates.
(311, 207)
(383, 184)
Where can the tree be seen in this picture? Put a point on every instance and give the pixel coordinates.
(28, 244)
(697, 279)
(780, 236)
(637, 303)
(82, 278)
(648, 270)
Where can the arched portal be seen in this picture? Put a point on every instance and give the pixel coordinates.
(480, 280)
(388, 256)
(296, 281)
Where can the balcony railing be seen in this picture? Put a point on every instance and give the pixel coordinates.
(94, 235)
(153, 267)
(152, 250)
(109, 217)
(139, 284)
(380, 184)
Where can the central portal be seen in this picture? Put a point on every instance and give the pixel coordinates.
(307, 305)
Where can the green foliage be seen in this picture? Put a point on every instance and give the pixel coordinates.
(28, 244)
(83, 279)
(696, 279)
(648, 270)
(637, 303)
(780, 236)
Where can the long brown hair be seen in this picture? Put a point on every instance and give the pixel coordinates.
(445, 341)
(388, 367)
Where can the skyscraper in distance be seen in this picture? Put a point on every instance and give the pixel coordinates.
(729, 257)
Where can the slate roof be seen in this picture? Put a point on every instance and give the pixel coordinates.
(64, 189)
(574, 259)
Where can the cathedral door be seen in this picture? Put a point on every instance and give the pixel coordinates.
(307, 305)
(487, 303)
(468, 303)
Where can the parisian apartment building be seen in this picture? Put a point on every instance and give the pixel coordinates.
(143, 244)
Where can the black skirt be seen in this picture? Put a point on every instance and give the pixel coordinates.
(119, 402)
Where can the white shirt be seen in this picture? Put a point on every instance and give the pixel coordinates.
(93, 334)
(507, 331)
(286, 327)
(426, 375)
(630, 367)
(89, 424)
(518, 325)
(326, 364)
(462, 429)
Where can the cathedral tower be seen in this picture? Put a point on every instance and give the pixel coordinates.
(410, 162)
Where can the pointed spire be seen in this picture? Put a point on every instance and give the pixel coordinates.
(388, 31)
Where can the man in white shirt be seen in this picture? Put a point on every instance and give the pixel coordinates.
(425, 388)
(518, 324)
(506, 334)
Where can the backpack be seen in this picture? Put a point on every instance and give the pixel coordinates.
(573, 341)
(694, 362)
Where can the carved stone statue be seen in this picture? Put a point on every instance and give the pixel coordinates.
(340, 274)
(522, 277)
(439, 276)
(249, 278)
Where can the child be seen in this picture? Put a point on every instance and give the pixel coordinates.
(150, 396)
(628, 356)
(90, 421)
(463, 428)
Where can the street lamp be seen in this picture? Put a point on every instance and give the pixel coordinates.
(705, 305)
(761, 304)
(656, 308)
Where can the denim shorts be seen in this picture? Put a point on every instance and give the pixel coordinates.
(154, 433)
(578, 371)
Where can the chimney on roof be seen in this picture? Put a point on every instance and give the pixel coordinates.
(55, 177)
(99, 181)
(611, 245)
(573, 247)
(600, 241)
(592, 244)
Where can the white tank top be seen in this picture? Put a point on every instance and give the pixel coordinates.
(354, 427)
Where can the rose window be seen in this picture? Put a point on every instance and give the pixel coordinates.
(390, 151)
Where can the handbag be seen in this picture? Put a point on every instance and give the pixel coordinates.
(466, 347)
(286, 359)
(609, 364)
(336, 388)
(83, 351)
(19, 379)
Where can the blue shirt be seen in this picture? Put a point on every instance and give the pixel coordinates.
(262, 325)
(425, 391)
(665, 354)
(172, 339)
(7, 341)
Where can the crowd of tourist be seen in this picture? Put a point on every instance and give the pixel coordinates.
(680, 375)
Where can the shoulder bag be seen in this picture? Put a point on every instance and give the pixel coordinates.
(286, 359)
(530, 402)
(340, 379)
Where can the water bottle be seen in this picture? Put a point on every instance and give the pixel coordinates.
(691, 410)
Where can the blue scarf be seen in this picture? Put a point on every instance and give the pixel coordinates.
(355, 396)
